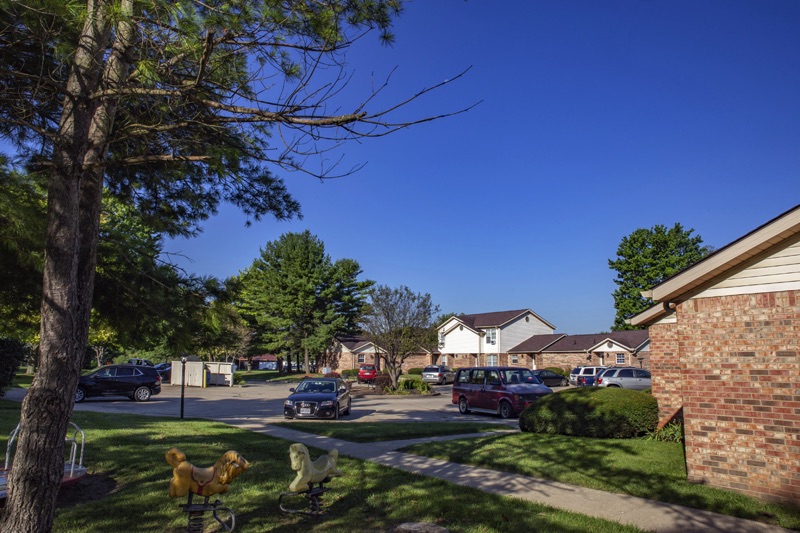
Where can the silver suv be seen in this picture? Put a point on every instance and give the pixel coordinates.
(625, 378)
(584, 375)
(439, 374)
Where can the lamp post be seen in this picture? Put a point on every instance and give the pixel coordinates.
(183, 382)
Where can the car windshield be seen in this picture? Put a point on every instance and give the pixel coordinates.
(520, 375)
(310, 386)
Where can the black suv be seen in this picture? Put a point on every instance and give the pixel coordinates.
(137, 382)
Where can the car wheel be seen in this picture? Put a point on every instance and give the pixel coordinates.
(349, 407)
(613, 386)
(288, 417)
(564, 382)
(442, 381)
(80, 395)
(463, 406)
(142, 394)
(336, 412)
(505, 410)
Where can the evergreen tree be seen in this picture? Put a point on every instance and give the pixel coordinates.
(297, 299)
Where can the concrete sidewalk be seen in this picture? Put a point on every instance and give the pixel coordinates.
(645, 514)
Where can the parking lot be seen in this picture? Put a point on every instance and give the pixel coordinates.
(264, 402)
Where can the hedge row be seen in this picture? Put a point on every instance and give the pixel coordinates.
(605, 412)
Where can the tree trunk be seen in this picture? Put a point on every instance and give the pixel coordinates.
(74, 194)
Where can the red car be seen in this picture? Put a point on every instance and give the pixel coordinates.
(367, 373)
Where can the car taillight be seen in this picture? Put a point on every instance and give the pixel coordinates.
(599, 381)
(439, 374)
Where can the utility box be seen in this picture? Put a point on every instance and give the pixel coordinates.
(203, 374)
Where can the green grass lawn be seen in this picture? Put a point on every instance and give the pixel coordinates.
(382, 431)
(644, 468)
(262, 376)
(129, 479)
(22, 380)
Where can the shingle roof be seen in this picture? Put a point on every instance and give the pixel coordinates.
(488, 320)
(353, 342)
(578, 343)
(537, 343)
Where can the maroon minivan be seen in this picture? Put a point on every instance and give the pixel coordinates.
(500, 390)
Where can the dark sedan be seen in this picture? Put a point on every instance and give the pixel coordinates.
(318, 398)
(165, 371)
(137, 382)
(550, 378)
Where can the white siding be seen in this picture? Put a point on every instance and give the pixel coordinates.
(519, 330)
(778, 272)
(461, 341)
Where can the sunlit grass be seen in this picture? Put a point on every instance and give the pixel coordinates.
(383, 431)
(128, 451)
(644, 468)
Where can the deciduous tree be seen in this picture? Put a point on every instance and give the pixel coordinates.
(399, 323)
(645, 258)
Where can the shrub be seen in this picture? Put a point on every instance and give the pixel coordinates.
(12, 353)
(382, 381)
(350, 373)
(414, 384)
(672, 432)
(559, 371)
(415, 371)
(606, 412)
(238, 379)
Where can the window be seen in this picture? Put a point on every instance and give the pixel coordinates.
(477, 377)
(444, 360)
(625, 373)
(491, 336)
(514, 359)
(441, 339)
(361, 358)
(620, 358)
(493, 376)
(491, 360)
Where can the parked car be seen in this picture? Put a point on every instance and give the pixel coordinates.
(584, 372)
(145, 362)
(164, 370)
(624, 377)
(367, 373)
(439, 374)
(137, 382)
(550, 378)
(318, 398)
(504, 391)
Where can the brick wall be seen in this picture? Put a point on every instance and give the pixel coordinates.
(666, 369)
(741, 392)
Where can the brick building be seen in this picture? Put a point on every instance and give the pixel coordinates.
(617, 348)
(724, 343)
(353, 351)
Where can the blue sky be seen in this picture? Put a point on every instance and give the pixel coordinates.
(596, 118)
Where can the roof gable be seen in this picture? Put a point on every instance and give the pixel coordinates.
(628, 340)
(775, 233)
